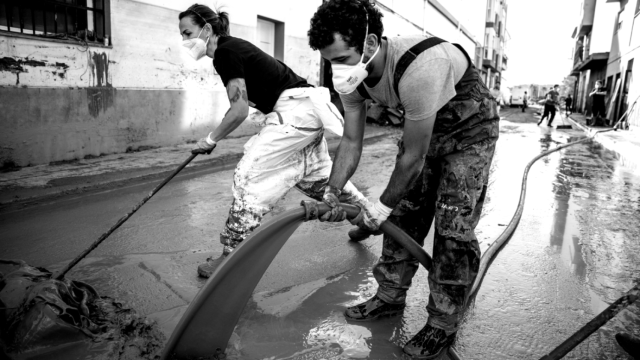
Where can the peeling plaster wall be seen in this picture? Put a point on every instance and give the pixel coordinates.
(64, 101)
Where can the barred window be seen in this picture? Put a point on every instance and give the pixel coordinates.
(83, 20)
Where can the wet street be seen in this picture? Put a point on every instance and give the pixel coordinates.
(575, 251)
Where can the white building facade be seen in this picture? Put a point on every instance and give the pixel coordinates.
(494, 59)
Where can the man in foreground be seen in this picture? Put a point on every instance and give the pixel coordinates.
(442, 166)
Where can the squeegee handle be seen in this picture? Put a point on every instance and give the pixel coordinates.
(122, 220)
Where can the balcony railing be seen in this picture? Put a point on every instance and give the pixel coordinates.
(490, 63)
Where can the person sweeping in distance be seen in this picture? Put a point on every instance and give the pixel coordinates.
(442, 167)
(290, 151)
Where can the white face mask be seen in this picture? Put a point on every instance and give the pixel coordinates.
(197, 47)
(346, 78)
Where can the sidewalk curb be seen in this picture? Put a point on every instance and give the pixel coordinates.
(24, 196)
(623, 150)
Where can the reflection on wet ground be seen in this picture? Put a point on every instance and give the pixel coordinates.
(575, 251)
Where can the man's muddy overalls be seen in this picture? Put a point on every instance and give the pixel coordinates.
(451, 187)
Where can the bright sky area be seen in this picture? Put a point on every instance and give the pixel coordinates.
(539, 51)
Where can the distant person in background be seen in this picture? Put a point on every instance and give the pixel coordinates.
(597, 104)
(550, 105)
(525, 99)
(568, 102)
(497, 94)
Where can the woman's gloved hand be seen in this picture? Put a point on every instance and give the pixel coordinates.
(204, 146)
(331, 197)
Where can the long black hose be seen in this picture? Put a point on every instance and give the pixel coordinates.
(490, 254)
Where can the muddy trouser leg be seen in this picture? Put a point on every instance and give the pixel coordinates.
(273, 163)
(316, 176)
(414, 214)
(456, 254)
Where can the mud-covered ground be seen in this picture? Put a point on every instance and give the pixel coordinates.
(43, 317)
(575, 251)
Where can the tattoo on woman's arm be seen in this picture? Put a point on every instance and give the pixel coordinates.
(234, 94)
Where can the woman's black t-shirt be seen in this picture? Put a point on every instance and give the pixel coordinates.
(266, 77)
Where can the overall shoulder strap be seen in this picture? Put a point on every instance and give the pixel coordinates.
(465, 54)
(404, 62)
(408, 57)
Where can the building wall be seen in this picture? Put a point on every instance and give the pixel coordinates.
(603, 24)
(494, 40)
(414, 17)
(625, 48)
(439, 25)
(405, 11)
(64, 101)
(397, 22)
(587, 11)
(469, 13)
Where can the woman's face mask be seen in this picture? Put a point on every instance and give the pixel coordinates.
(346, 78)
(197, 47)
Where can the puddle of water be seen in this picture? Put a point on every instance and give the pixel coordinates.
(309, 319)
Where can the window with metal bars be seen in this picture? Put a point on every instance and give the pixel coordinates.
(83, 20)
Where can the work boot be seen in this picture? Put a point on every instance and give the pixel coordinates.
(372, 309)
(359, 234)
(428, 343)
(630, 344)
(205, 270)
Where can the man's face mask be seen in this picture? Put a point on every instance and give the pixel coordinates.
(197, 47)
(346, 78)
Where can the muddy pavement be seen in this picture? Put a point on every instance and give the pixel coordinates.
(576, 250)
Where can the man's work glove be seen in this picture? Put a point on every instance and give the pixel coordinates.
(332, 198)
(204, 146)
(372, 215)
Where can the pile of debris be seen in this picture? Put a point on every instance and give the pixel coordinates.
(41, 317)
